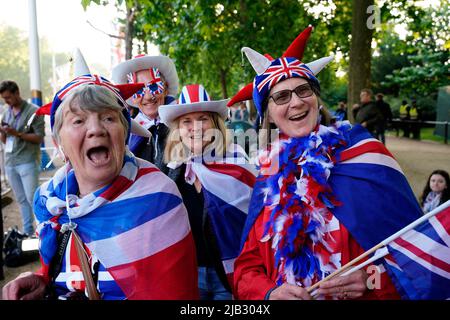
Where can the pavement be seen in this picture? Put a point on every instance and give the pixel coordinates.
(416, 158)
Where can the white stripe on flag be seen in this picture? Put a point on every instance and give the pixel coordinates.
(427, 245)
(153, 182)
(375, 158)
(144, 240)
(440, 230)
(360, 143)
(420, 261)
(237, 195)
(78, 276)
(392, 263)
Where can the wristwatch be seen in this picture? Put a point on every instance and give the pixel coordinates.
(20, 134)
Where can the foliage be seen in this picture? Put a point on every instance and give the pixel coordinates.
(419, 64)
(204, 38)
(14, 61)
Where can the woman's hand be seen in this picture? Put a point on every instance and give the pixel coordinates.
(27, 286)
(345, 287)
(289, 292)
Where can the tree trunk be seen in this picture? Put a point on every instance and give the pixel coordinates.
(129, 30)
(360, 52)
(223, 82)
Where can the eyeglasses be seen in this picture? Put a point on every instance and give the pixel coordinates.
(284, 96)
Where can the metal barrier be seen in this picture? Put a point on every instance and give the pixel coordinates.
(422, 124)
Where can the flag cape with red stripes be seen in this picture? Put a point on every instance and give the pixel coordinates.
(227, 186)
(137, 227)
(376, 199)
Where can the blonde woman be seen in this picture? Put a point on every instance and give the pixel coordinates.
(215, 182)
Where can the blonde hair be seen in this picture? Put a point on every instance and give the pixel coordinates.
(175, 150)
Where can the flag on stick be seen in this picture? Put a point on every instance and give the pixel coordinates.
(417, 257)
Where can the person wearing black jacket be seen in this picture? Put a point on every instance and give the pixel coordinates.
(368, 114)
(385, 109)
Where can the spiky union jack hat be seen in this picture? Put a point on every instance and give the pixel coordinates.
(272, 71)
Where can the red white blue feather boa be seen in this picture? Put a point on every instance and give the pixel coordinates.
(300, 200)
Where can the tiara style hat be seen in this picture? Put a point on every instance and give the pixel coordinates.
(193, 98)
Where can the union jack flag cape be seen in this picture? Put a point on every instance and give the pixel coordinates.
(137, 227)
(376, 199)
(227, 185)
(419, 261)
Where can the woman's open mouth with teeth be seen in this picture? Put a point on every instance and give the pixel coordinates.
(98, 155)
(299, 116)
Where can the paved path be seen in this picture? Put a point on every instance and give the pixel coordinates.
(418, 159)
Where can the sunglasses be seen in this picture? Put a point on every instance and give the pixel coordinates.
(154, 88)
(284, 96)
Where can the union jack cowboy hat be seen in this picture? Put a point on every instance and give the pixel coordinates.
(125, 72)
(193, 98)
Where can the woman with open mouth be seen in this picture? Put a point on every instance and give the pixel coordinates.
(215, 181)
(324, 194)
(111, 226)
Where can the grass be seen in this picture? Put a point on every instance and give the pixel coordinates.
(425, 134)
(428, 134)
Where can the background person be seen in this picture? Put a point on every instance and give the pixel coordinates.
(22, 149)
(385, 109)
(341, 112)
(215, 181)
(404, 113)
(129, 216)
(436, 191)
(414, 115)
(368, 115)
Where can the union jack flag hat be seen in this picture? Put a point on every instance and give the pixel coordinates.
(193, 98)
(295, 49)
(125, 72)
(270, 72)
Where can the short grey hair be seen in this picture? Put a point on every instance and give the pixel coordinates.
(90, 98)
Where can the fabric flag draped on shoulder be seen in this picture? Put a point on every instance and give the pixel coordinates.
(227, 185)
(150, 254)
(363, 172)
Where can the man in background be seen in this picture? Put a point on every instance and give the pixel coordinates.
(368, 114)
(385, 109)
(22, 149)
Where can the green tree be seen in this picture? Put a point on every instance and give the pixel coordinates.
(14, 61)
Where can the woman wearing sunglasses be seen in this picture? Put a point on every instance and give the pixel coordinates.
(324, 195)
